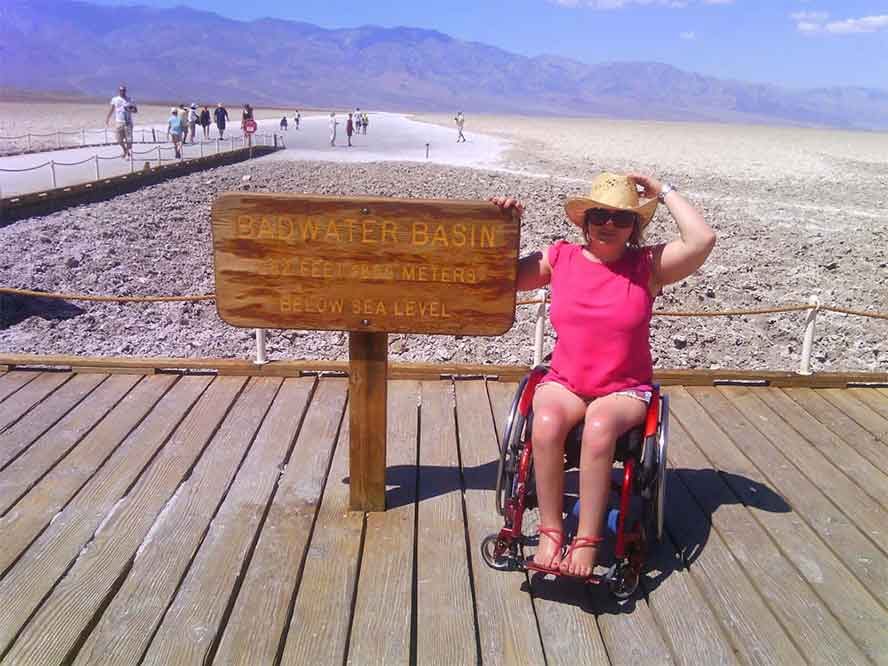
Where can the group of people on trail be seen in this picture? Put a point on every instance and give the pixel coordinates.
(183, 122)
(356, 123)
(296, 118)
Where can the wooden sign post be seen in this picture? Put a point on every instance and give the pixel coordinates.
(369, 266)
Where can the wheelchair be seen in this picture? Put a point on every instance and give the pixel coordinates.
(638, 489)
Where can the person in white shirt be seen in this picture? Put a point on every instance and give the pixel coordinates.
(122, 108)
(460, 123)
(333, 124)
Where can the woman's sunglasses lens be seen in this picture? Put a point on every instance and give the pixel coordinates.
(621, 219)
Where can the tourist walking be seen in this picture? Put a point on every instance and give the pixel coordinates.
(193, 117)
(205, 122)
(364, 122)
(296, 118)
(183, 118)
(460, 123)
(349, 129)
(221, 117)
(174, 131)
(284, 124)
(245, 116)
(333, 124)
(122, 108)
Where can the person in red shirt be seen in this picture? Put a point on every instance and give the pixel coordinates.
(602, 298)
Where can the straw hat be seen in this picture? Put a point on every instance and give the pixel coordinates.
(611, 191)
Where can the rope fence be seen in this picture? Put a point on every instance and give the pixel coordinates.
(813, 307)
(218, 146)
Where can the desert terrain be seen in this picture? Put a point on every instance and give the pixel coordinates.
(798, 213)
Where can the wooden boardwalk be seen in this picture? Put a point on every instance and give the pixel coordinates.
(190, 519)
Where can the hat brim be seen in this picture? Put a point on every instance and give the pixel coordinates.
(576, 210)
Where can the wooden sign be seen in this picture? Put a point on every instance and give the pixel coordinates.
(364, 264)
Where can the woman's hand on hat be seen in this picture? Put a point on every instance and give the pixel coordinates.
(506, 203)
(651, 186)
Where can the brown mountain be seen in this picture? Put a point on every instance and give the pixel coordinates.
(80, 48)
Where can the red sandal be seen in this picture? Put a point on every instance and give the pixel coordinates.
(557, 536)
(578, 542)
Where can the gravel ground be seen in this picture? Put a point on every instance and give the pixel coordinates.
(157, 241)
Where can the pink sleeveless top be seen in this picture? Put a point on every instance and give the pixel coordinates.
(602, 315)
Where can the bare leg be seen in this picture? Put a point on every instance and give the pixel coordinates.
(555, 412)
(606, 419)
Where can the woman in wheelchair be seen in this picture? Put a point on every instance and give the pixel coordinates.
(602, 293)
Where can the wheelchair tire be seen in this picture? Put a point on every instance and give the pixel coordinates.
(510, 450)
(659, 497)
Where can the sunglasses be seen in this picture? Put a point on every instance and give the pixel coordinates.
(622, 219)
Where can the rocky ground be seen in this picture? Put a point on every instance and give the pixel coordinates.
(780, 241)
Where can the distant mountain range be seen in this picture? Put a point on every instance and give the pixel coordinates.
(182, 54)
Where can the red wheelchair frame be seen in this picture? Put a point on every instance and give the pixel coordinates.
(643, 452)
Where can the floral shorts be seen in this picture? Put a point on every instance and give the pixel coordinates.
(637, 394)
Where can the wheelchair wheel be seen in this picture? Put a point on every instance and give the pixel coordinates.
(624, 583)
(510, 450)
(503, 562)
(659, 494)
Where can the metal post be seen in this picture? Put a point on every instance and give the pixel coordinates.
(276, 145)
(52, 171)
(201, 147)
(427, 154)
(97, 166)
(153, 136)
(159, 158)
(260, 347)
(232, 142)
(808, 342)
(540, 328)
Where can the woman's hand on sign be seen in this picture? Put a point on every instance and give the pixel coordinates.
(506, 203)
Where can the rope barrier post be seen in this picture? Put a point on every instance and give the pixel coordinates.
(52, 171)
(106, 135)
(96, 156)
(153, 136)
(540, 327)
(232, 142)
(29, 142)
(82, 137)
(159, 158)
(143, 135)
(808, 342)
(201, 148)
(59, 139)
(427, 157)
(132, 163)
(260, 347)
(217, 145)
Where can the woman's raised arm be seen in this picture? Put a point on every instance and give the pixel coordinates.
(534, 270)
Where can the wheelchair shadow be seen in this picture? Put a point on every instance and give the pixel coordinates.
(692, 496)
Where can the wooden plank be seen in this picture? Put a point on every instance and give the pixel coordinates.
(11, 382)
(565, 628)
(18, 404)
(49, 557)
(874, 399)
(114, 370)
(707, 539)
(56, 442)
(259, 618)
(32, 512)
(445, 628)
(862, 413)
(43, 416)
(841, 424)
(318, 630)
(801, 607)
(159, 591)
(369, 264)
(507, 626)
(73, 605)
(367, 389)
(688, 624)
(870, 479)
(386, 577)
(788, 447)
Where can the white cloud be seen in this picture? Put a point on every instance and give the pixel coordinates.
(809, 16)
(815, 23)
(688, 35)
(620, 4)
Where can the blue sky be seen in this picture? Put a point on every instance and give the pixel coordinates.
(798, 43)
